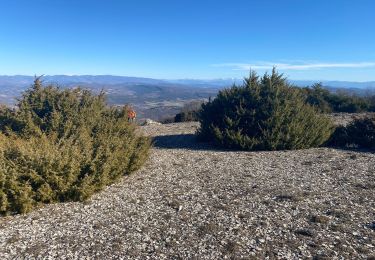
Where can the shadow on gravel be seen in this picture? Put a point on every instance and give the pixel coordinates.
(190, 142)
(182, 141)
(351, 149)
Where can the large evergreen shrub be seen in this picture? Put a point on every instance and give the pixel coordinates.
(264, 114)
(63, 145)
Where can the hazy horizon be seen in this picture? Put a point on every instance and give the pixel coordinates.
(178, 79)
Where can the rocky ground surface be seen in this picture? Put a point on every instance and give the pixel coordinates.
(191, 201)
(346, 118)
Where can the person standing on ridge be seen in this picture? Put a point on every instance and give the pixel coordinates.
(131, 114)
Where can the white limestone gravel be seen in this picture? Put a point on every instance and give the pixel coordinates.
(191, 201)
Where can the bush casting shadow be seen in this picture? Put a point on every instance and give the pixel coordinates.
(263, 114)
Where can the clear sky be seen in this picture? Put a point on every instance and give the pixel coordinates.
(305, 39)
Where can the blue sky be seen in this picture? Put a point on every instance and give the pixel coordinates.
(305, 39)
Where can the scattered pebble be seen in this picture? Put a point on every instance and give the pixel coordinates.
(192, 201)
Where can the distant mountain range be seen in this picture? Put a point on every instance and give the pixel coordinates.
(154, 98)
(338, 84)
(21, 80)
(119, 89)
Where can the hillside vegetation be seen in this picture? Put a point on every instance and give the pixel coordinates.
(341, 101)
(63, 145)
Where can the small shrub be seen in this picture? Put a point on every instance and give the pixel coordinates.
(359, 133)
(189, 112)
(63, 145)
(187, 116)
(263, 114)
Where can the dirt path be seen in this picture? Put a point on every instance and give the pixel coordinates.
(192, 201)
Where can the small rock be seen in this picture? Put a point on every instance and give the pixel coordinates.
(150, 122)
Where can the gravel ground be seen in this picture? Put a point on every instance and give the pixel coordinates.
(191, 201)
(346, 118)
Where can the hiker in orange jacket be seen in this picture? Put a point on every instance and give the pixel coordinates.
(131, 114)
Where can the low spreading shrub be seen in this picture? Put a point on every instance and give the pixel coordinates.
(359, 133)
(186, 116)
(63, 145)
(264, 114)
(189, 112)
